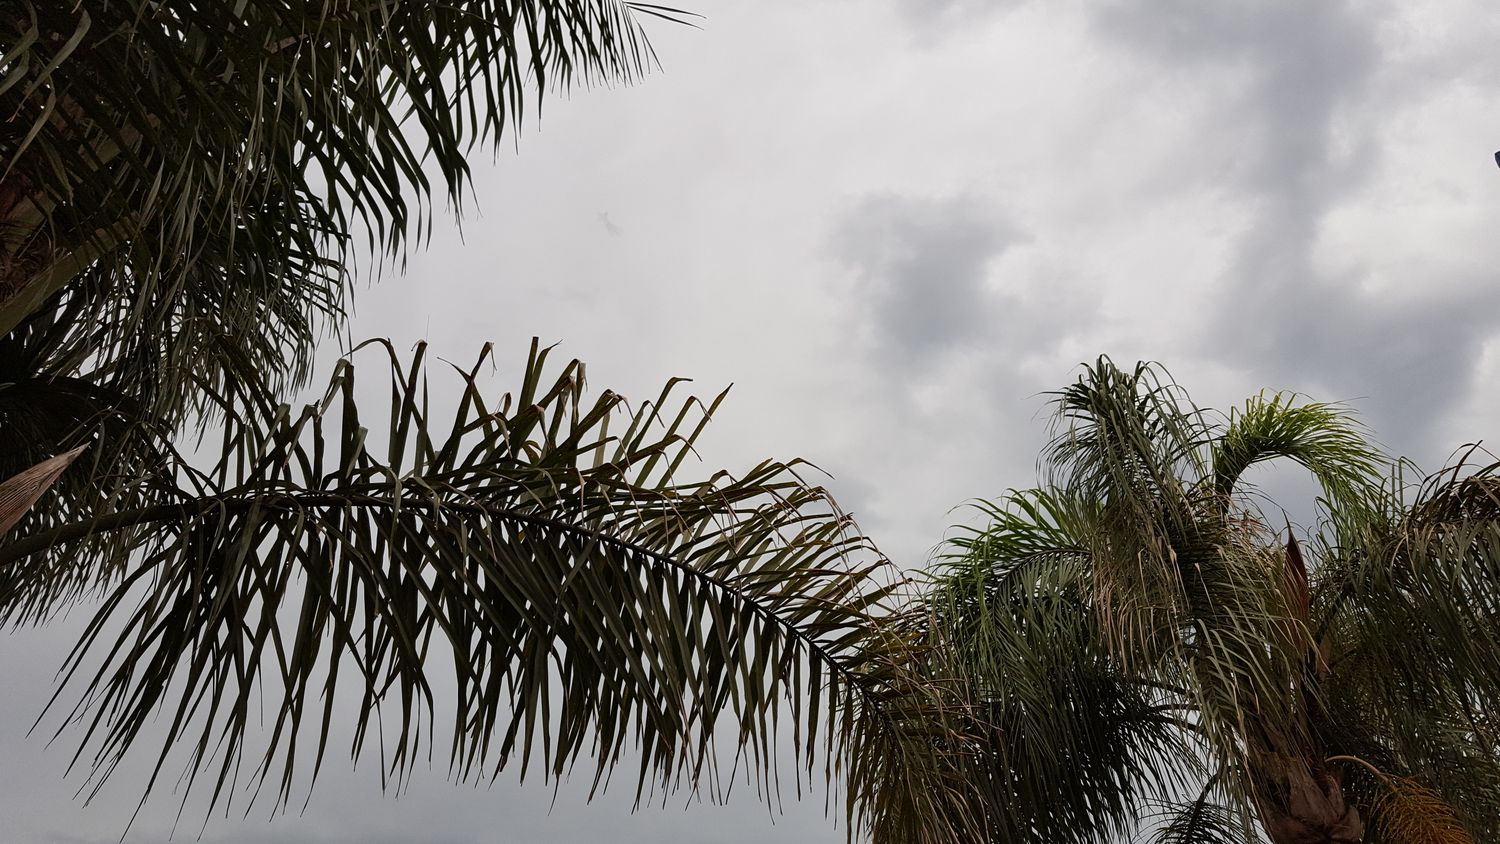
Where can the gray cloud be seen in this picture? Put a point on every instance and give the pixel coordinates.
(922, 265)
(1404, 361)
(948, 336)
(932, 17)
(1302, 122)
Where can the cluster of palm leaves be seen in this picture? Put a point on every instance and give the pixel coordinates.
(187, 184)
(1143, 640)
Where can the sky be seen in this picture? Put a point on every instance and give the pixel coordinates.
(893, 226)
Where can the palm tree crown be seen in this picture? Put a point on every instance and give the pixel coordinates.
(1143, 641)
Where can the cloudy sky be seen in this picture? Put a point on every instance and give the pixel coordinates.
(893, 225)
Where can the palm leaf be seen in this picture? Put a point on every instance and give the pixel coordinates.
(193, 179)
(1324, 438)
(1133, 621)
(587, 598)
(1411, 813)
(1075, 741)
(1408, 616)
(1202, 821)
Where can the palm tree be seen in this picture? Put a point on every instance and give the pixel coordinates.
(1142, 641)
(186, 187)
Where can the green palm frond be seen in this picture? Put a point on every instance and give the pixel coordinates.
(1413, 651)
(1323, 438)
(47, 409)
(1124, 437)
(1077, 745)
(1460, 764)
(1075, 741)
(1024, 525)
(193, 177)
(1202, 821)
(1125, 441)
(1427, 580)
(1177, 581)
(1032, 537)
(544, 544)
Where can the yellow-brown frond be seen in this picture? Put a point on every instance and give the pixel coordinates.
(1411, 813)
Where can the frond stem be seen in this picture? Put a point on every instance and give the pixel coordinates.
(24, 547)
(1379, 774)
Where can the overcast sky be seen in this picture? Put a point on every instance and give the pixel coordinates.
(893, 225)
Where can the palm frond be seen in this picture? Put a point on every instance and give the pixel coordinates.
(1454, 798)
(1177, 580)
(1201, 821)
(1075, 742)
(1031, 536)
(1124, 437)
(1409, 812)
(1428, 581)
(587, 598)
(1408, 615)
(1324, 438)
(48, 407)
(1133, 581)
(198, 173)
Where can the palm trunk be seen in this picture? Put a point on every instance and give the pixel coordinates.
(1303, 802)
(34, 262)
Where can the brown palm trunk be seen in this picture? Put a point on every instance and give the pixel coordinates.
(1300, 798)
(1302, 802)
